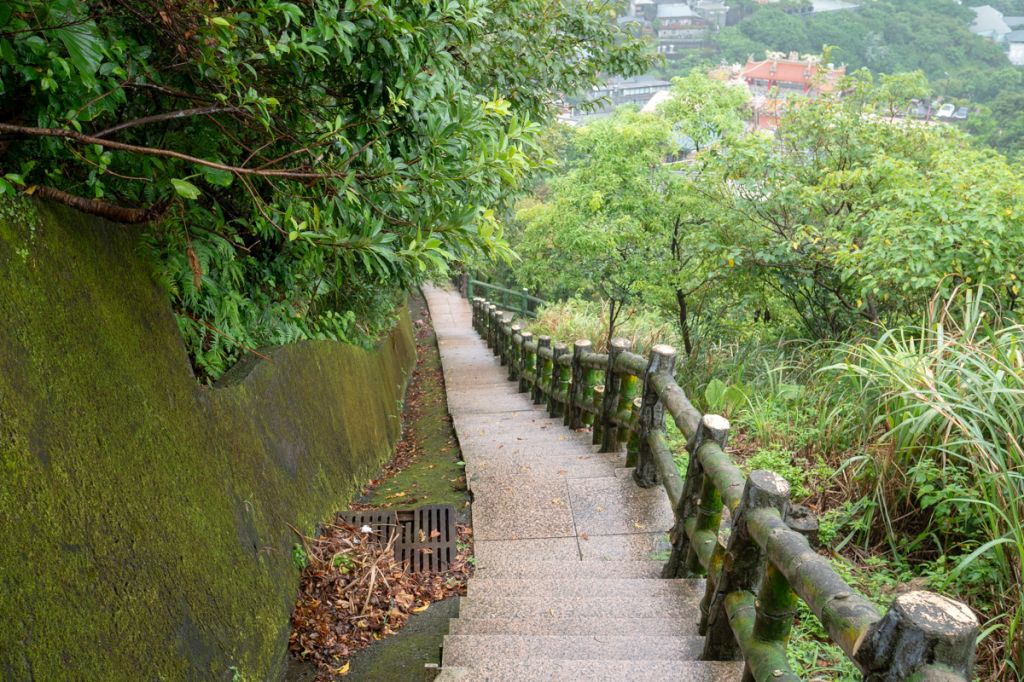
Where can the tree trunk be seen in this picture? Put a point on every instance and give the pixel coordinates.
(684, 321)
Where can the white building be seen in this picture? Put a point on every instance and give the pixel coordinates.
(1015, 47)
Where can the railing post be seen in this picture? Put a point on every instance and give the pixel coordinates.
(555, 407)
(476, 314)
(633, 445)
(712, 428)
(776, 601)
(525, 297)
(922, 634)
(469, 286)
(609, 435)
(709, 518)
(525, 362)
(743, 561)
(514, 348)
(574, 413)
(542, 367)
(492, 320)
(488, 327)
(505, 338)
(485, 329)
(627, 392)
(652, 413)
(598, 435)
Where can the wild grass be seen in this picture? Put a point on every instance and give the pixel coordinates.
(575, 319)
(941, 422)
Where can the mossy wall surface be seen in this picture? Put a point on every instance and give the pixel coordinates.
(144, 519)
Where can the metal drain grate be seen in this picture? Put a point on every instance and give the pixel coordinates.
(427, 542)
(383, 523)
(426, 536)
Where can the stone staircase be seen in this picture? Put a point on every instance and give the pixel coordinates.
(569, 550)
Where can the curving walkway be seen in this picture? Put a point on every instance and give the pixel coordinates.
(569, 550)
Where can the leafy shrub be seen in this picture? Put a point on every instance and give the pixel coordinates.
(297, 164)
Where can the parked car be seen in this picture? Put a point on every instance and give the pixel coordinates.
(946, 111)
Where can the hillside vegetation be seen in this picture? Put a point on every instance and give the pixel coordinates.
(846, 290)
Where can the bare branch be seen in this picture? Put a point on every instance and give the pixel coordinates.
(63, 133)
(167, 116)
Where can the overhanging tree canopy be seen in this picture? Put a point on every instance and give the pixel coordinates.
(299, 161)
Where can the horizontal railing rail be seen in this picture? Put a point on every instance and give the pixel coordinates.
(759, 561)
(518, 301)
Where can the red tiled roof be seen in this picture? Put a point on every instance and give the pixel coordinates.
(785, 71)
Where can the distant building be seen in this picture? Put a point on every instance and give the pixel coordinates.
(989, 23)
(791, 75)
(1015, 47)
(615, 93)
(814, 6)
(1002, 30)
(678, 28)
(775, 80)
(833, 5)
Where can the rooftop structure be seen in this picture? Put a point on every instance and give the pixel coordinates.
(989, 23)
(1015, 47)
(617, 92)
(793, 74)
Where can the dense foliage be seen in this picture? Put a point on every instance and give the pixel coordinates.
(797, 267)
(619, 218)
(298, 163)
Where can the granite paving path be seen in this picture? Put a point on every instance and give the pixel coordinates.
(568, 548)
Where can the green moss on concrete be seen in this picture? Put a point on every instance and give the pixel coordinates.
(435, 476)
(145, 519)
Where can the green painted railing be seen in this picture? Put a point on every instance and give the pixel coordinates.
(759, 562)
(518, 301)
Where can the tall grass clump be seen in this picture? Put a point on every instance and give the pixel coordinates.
(938, 412)
(575, 319)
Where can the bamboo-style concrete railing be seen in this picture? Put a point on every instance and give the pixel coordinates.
(759, 562)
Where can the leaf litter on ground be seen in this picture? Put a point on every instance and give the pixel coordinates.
(354, 592)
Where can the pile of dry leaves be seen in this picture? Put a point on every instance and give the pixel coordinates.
(353, 592)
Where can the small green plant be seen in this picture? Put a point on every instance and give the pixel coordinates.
(343, 561)
(299, 556)
(781, 462)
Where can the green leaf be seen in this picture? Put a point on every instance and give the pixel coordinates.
(185, 188)
(218, 177)
(84, 45)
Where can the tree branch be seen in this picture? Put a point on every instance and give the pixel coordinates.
(166, 116)
(120, 214)
(25, 131)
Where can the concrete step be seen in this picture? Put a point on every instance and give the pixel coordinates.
(510, 449)
(541, 469)
(593, 548)
(574, 626)
(580, 587)
(594, 671)
(571, 570)
(683, 604)
(499, 464)
(465, 650)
